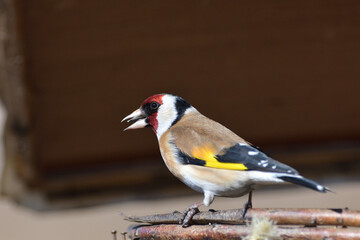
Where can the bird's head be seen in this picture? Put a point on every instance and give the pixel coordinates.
(160, 112)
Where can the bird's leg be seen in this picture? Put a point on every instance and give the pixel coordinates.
(189, 213)
(247, 205)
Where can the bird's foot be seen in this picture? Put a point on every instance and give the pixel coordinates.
(188, 214)
(247, 206)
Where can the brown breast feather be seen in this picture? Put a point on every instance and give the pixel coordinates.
(193, 130)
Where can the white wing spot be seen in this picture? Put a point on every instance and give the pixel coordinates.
(289, 171)
(263, 163)
(273, 167)
(252, 153)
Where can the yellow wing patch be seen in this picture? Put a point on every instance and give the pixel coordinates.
(207, 154)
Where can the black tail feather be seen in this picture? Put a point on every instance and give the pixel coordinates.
(304, 182)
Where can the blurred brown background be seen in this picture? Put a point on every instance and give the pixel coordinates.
(284, 75)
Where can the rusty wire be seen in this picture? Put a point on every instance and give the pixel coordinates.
(221, 231)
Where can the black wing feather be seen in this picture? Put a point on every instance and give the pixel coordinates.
(253, 159)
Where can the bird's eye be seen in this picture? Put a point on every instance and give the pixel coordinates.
(154, 105)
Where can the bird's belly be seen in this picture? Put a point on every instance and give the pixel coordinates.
(221, 182)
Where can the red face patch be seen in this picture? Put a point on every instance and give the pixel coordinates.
(152, 117)
(154, 98)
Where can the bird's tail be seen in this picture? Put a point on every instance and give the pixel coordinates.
(299, 180)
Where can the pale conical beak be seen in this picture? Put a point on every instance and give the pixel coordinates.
(138, 118)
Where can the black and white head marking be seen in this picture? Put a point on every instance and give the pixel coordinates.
(170, 112)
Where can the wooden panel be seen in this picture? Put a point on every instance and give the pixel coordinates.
(275, 72)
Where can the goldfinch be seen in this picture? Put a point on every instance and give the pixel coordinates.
(207, 156)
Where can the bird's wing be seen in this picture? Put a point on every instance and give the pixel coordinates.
(252, 159)
(218, 147)
(237, 157)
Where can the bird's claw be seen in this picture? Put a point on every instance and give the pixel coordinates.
(247, 206)
(188, 214)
